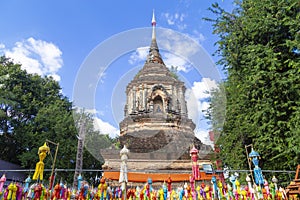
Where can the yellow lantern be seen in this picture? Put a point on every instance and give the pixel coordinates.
(39, 168)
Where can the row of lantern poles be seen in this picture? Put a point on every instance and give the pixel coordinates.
(253, 156)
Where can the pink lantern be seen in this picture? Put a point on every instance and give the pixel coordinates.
(195, 166)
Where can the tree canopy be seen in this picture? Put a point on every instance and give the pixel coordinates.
(259, 43)
(33, 110)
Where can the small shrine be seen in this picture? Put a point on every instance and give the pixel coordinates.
(293, 188)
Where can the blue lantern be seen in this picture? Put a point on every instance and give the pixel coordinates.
(258, 176)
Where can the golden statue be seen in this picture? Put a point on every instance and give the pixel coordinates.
(39, 168)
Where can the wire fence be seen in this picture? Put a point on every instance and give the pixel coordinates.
(93, 175)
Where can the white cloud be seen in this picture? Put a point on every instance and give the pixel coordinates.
(203, 135)
(100, 112)
(54, 76)
(139, 55)
(181, 64)
(193, 106)
(176, 20)
(169, 18)
(2, 46)
(171, 41)
(201, 89)
(101, 76)
(91, 111)
(37, 56)
(197, 104)
(204, 106)
(105, 128)
(199, 37)
(177, 43)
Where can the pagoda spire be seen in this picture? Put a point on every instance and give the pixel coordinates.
(154, 56)
(153, 42)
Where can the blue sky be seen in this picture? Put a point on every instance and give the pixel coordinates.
(57, 37)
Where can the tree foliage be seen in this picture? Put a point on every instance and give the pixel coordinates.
(33, 110)
(23, 96)
(259, 44)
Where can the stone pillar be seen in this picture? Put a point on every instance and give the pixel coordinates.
(145, 97)
(182, 101)
(126, 107)
(176, 100)
(141, 97)
(129, 101)
(134, 99)
(173, 107)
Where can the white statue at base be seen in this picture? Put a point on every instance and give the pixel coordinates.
(123, 170)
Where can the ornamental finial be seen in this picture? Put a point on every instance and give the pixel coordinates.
(153, 22)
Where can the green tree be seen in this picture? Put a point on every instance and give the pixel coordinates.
(259, 44)
(22, 96)
(33, 110)
(217, 109)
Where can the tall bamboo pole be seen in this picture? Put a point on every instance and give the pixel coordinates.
(248, 160)
(79, 156)
(53, 164)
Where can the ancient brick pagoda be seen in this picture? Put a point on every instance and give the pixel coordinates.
(156, 128)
